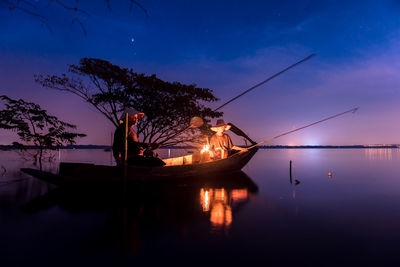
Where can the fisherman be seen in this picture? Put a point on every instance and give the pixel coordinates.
(135, 148)
(220, 143)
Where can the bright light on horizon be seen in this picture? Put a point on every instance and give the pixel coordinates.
(312, 142)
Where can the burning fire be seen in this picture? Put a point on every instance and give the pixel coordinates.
(206, 148)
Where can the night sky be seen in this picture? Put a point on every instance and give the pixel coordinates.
(227, 46)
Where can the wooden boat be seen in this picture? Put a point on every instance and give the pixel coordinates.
(186, 167)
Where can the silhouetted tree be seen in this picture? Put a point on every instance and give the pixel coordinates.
(110, 89)
(35, 127)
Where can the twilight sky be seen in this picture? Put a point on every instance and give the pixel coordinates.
(227, 46)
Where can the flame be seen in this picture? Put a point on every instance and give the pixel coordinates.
(205, 148)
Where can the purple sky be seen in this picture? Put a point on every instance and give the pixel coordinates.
(227, 46)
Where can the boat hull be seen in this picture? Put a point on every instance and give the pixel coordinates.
(79, 173)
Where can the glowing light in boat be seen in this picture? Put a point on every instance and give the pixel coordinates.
(205, 148)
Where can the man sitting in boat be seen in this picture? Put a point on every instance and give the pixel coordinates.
(220, 143)
(135, 148)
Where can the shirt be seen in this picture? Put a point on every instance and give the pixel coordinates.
(218, 143)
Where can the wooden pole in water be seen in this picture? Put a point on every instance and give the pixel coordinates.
(125, 153)
(111, 145)
(290, 171)
(126, 139)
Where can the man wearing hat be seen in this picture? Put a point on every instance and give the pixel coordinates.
(135, 148)
(220, 143)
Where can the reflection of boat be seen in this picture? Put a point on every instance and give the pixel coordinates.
(75, 198)
(218, 202)
(154, 208)
(176, 168)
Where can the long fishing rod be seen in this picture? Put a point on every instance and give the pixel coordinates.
(234, 128)
(270, 78)
(311, 124)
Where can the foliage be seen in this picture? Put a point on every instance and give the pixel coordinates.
(34, 126)
(110, 89)
(169, 108)
(96, 81)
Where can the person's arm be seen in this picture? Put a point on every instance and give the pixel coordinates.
(142, 145)
(135, 141)
(235, 147)
(239, 148)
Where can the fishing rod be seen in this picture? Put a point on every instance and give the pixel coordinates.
(353, 110)
(267, 80)
(235, 129)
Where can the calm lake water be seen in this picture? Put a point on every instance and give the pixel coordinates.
(348, 218)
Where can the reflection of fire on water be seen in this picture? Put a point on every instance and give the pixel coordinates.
(239, 194)
(205, 198)
(221, 215)
(218, 202)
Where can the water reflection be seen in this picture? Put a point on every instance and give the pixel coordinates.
(146, 209)
(379, 154)
(337, 221)
(221, 212)
(218, 204)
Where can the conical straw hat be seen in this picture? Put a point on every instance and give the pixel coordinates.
(220, 123)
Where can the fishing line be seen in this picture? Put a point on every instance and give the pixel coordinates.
(270, 78)
(353, 110)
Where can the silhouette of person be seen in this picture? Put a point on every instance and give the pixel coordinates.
(135, 148)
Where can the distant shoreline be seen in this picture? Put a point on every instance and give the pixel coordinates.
(3, 147)
(331, 147)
